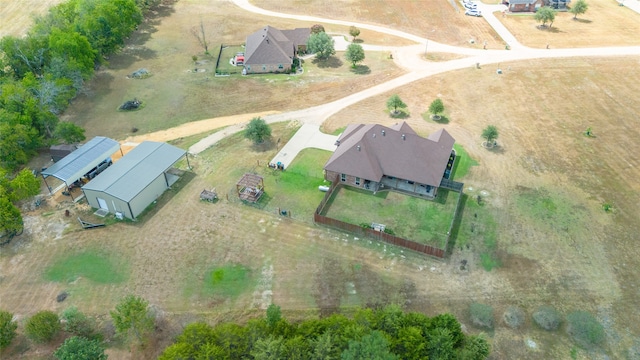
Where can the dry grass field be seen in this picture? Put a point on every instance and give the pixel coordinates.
(17, 15)
(544, 187)
(604, 24)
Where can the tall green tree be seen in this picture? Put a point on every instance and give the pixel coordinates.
(73, 48)
(354, 54)
(17, 144)
(80, 348)
(132, 317)
(257, 130)
(580, 7)
(490, 133)
(371, 347)
(322, 45)
(269, 348)
(77, 323)
(24, 185)
(323, 348)
(354, 32)
(274, 314)
(43, 326)
(69, 132)
(436, 107)
(8, 329)
(545, 15)
(395, 103)
(10, 220)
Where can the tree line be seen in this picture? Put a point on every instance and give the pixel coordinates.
(385, 333)
(43, 71)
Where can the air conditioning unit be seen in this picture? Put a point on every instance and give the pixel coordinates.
(119, 215)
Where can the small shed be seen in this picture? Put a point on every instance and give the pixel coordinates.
(250, 187)
(135, 181)
(58, 152)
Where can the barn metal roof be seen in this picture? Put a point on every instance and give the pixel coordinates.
(136, 170)
(73, 166)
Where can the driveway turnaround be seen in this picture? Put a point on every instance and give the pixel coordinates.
(308, 136)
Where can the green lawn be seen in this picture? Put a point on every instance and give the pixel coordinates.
(99, 268)
(226, 281)
(413, 218)
(229, 52)
(463, 162)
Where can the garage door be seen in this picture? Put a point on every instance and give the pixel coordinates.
(103, 204)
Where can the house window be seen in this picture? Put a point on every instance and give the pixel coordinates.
(264, 67)
(343, 177)
(249, 67)
(357, 181)
(280, 66)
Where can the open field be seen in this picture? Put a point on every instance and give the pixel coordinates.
(441, 21)
(174, 94)
(17, 15)
(540, 217)
(604, 24)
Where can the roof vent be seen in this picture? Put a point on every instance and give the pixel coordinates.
(374, 135)
(358, 147)
(383, 133)
(404, 137)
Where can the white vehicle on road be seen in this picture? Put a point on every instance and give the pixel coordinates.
(473, 12)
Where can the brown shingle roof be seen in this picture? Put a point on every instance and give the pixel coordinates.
(272, 46)
(371, 151)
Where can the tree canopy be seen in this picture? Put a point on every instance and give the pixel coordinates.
(354, 32)
(436, 107)
(321, 44)
(386, 333)
(545, 15)
(395, 103)
(8, 329)
(132, 317)
(354, 54)
(580, 7)
(79, 348)
(490, 133)
(42, 326)
(258, 130)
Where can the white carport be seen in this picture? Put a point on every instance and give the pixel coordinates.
(75, 165)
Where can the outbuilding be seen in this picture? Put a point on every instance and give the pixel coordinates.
(131, 184)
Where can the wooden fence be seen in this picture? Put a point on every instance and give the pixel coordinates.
(355, 229)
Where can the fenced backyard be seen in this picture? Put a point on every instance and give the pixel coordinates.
(427, 223)
(226, 52)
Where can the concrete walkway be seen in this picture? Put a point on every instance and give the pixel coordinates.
(308, 136)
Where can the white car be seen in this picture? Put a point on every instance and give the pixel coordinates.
(473, 12)
(470, 5)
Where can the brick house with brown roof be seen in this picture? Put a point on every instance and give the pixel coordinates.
(270, 50)
(376, 157)
(534, 5)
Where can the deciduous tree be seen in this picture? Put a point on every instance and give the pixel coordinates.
(545, 14)
(436, 107)
(322, 45)
(490, 133)
(371, 347)
(580, 7)
(80, 348)
(258, 130)
(69, 132)
(42, 326)
(24, 185)
(354, 32)
(395, 103)
(8, 329)
(317, 28)
(10, 220)
(132, 317)
(354, 54)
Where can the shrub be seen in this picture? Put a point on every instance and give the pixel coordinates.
(7, 329)
(481, 315)
(42, 326)
(585, 329)
(79, 348)
(77, 323)
(513, 317)
(547, 318)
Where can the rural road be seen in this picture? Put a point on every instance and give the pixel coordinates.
(409, 58)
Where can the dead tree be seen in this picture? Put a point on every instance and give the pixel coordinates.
(201, 36)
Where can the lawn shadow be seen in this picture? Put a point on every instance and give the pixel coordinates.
(164, 199)
(497, 149)
(358, 41)
(440, 120)
(399, 114)
(548, 28)
(584, 21)
(266, 145)
(331, 62)
(360, 69)
(455, 229)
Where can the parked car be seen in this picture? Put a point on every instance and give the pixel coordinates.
(470, 5)
(473, 12)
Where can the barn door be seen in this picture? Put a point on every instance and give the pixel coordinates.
(103, 204)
